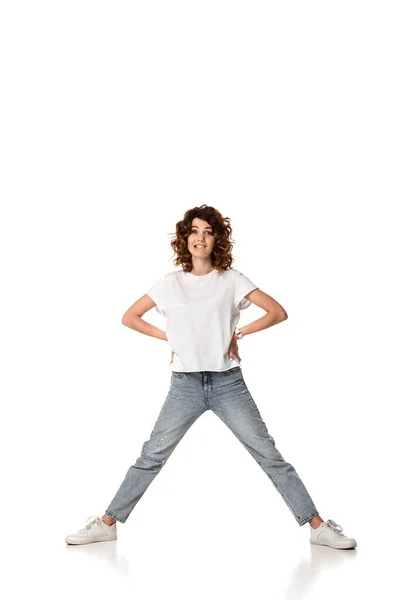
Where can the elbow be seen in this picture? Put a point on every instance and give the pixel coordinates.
(284, 316)
(125, 318)
(128, 320)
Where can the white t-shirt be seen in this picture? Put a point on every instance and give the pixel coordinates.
(202, 312)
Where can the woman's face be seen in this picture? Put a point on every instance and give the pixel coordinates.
(201, 239)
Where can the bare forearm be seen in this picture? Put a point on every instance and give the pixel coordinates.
(138, 324)
(268, 320)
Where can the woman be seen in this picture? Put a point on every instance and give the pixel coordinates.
(202, 303)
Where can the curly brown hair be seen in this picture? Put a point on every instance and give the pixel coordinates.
(221, 256)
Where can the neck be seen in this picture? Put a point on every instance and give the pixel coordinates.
(201, 267)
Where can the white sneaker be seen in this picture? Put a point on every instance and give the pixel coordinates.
(95, 530)
(329, 534)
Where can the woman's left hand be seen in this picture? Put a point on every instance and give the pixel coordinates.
(233, 348)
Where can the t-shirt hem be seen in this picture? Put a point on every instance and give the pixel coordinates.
(209, 370)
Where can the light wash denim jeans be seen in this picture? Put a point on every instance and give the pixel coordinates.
(226, 394)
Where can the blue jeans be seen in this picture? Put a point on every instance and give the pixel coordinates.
(226, 394)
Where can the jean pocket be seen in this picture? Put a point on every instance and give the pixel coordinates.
(231, 372)
(177, 374)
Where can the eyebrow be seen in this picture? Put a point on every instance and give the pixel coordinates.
(204, 227)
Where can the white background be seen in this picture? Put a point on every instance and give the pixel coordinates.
(117, 117)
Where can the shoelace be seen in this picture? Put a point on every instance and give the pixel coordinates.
(91, 521)
(334, 527)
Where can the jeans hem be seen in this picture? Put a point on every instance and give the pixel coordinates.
(114, 516)
(304, 521)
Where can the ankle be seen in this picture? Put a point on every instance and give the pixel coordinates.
(108, 520)
(315, 522)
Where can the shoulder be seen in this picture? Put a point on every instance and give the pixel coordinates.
(241, 280)
(235, 273)
(171, 276)
(227, 277)
(230, 274)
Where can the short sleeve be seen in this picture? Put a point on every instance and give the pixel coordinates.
(243, 286)
(157, 294)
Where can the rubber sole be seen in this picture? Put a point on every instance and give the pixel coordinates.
(335, 547)
(80, 542)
